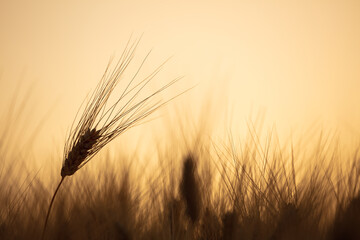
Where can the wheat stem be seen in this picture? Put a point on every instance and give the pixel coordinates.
(48, 212)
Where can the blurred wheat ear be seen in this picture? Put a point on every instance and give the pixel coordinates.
(190, 189)
(99, 124)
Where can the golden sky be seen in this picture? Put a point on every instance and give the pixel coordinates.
(296, 61)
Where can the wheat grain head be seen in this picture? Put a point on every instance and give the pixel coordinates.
(98, 124)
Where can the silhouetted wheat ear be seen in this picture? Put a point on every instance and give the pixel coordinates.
(100, 123)
(79, 152)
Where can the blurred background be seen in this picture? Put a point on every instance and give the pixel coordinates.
(290, 66)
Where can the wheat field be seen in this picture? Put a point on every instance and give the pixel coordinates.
(195, 188)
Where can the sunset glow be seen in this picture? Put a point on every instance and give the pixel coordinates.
(271, 71)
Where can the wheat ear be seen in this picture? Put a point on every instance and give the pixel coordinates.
(99, 124)
(190, 189)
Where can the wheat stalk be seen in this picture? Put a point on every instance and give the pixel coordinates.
(99, 124)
